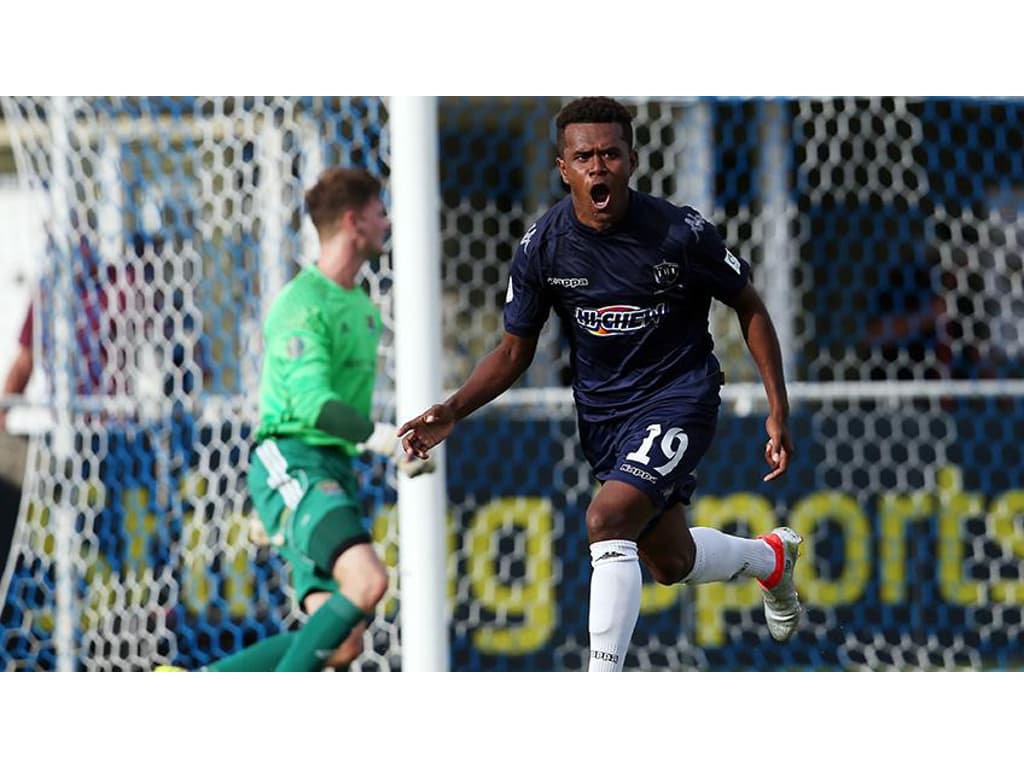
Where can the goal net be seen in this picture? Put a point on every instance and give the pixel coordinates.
(885, 235)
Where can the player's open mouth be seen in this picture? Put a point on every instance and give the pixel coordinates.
(601, 195)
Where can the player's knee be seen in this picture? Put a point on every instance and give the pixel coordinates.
(671, 570)
(605, 523)
(367, 589)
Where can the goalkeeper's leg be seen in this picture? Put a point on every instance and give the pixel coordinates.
(362, 581)
(265, 655)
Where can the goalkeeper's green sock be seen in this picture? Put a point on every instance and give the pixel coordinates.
(325, 630)
(263, 656)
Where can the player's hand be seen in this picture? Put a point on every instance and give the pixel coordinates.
(384, 441)
(423, 432)
(779, 448)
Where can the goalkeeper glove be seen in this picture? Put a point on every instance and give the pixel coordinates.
(384, 441)
(414, 467)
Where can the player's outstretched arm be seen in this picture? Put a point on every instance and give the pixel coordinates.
(496, 372)
(763, 342)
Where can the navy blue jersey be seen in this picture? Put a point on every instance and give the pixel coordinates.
(633, 299)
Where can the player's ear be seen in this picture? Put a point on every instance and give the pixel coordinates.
(348, 220)
(634, 161)
(561, 169)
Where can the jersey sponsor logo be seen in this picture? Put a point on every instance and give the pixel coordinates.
(619, 318)
(733, 262)
(525, 242)
(569, 282)
(666, 274)
(629, 469)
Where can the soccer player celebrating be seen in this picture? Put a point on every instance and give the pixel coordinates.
(316, 390)
(632, 277)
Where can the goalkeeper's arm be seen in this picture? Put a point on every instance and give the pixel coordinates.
(342, 420)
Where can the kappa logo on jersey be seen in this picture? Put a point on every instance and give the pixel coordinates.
(525, 242)
(619, 319)
(569, 282)
(666, 274)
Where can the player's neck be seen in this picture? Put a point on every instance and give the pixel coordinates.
(339, 261)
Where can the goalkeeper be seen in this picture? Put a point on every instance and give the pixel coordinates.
(316, 390)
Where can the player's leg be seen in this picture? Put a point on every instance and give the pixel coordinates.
(362, 579)
(338, 546)
(615, 518)
(307, 500)
(262, 656)
(674, 552)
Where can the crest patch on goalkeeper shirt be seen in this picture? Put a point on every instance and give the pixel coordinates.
(328, 487)
(295, 347)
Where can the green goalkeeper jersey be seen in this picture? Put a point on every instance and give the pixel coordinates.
(320, 344)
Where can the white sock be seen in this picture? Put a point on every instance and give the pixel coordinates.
(615, 583)
(721, 557)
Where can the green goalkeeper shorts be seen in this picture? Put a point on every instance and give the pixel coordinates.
(307, 499)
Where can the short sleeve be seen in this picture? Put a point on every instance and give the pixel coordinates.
(527, 304)
(724, 273)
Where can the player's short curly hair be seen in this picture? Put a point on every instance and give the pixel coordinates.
(336, 191)
(594, 109)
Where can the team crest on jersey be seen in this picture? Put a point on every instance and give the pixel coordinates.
(295, 347)
(619, 319)
(666, 274)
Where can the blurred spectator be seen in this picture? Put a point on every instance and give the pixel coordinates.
(89, 355)
(135, 335)
(20, 371)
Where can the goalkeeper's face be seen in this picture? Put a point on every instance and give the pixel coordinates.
(372, 227)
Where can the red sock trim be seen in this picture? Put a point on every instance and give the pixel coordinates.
(775, 543)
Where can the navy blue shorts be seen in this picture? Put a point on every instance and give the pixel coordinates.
(656, 449)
